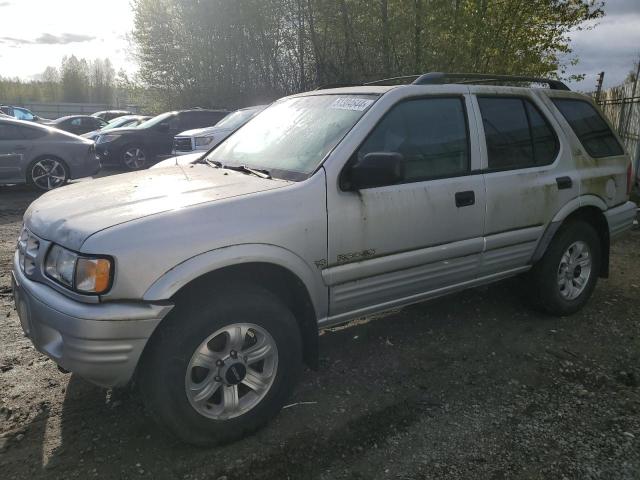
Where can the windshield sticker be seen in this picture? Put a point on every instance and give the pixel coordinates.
(346, 103)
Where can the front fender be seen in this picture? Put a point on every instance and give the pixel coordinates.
(180, 275)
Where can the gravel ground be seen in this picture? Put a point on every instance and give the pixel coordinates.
(473, 385)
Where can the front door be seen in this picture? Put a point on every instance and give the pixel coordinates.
(12, 148)
(394, 244)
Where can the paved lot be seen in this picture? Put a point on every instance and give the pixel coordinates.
(469, 386)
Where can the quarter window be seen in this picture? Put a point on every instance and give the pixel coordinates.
(10, 132)
(590, 128)
(517, 134)
(431, 135)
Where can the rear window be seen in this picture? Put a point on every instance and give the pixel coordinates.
(590, 128)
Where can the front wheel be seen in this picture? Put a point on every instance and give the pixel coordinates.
(220, 370)
(134, 158)
(565, 277)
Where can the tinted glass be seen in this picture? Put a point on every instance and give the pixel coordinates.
(506, 130)
(431, 135)
(517, 134)
(33, 133)
(545, 142)
(10, 132)
(590, 128)
(75, 122)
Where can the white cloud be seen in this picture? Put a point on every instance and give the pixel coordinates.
(612, 46)
(84, 28)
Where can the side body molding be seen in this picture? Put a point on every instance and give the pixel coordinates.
(180, 275)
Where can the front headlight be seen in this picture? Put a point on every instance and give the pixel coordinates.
(107, 138)
(203, 141)
(78, 272)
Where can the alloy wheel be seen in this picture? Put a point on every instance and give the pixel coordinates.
(134, 158)
(48, 173)
(231, 371)
(574, 270)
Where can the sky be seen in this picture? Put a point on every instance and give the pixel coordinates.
(37, 33)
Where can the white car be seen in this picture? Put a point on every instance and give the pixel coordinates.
(203, 139)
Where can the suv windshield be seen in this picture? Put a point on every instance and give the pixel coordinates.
(294, 134)
(235, 119)
(157, 119)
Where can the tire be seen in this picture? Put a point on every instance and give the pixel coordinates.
(559, 285)
(134, 157)
(170, 355)
(47, 173)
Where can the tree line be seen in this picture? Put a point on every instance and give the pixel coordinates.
(239, 52)
(76, 80)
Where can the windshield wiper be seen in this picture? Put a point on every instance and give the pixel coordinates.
(258, 172)
(211, 163)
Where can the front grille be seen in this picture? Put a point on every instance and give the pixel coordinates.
(182, 144)
(28, 247)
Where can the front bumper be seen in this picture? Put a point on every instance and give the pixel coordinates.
(100, 342)
(620, 218)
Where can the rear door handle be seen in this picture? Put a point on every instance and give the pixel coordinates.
(564, 183)
(20, 148)
(465, 199)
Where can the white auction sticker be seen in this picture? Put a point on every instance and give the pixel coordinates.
(350, 103)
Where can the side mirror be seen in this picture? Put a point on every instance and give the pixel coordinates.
(376, 169)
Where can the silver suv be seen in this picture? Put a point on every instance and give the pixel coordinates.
(207, 284)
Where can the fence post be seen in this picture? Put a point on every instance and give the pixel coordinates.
(599, 86)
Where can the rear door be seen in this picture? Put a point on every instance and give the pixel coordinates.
(529, 176)
(394, 244)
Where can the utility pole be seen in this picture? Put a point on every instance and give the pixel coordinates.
(599, 86)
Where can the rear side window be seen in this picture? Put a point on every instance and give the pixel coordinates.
(431, 135)
(33, 133)
(590, 128)
(517, 134)
(10, 132)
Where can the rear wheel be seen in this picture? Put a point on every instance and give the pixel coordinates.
(134, 157)
(47, 173)
(219, 370)
(565, 277)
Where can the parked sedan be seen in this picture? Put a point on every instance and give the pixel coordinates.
(21, 113)
(136, 148)
(111, 114)
(43, 156)
(130, 121)
(78, 124)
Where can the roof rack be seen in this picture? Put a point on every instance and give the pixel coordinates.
(439, 78)
(435, 78)
(337, 85)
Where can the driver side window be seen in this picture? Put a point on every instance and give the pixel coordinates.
(429, 133)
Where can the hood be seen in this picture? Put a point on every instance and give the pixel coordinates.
(123, 130)
(180, 160)
(69, 215)
(91, 135)
(200, 132)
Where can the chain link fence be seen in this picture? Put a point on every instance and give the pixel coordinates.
(621, 105)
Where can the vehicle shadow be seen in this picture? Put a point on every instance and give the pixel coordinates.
(376, 379)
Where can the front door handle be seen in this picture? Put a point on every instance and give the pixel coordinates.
(564, 183)
(20, 148)
(465, 199)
